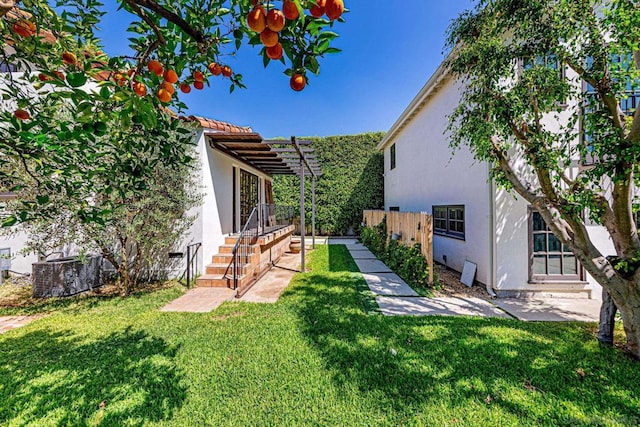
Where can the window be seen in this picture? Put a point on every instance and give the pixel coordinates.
(549, 258)
(449, 221)
(629, 102)
(394, 208)
(392, 152)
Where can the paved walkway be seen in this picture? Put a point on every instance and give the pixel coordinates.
(266, 290)
(8, 323)
(396, 298)
(552, 309)
(199, 300)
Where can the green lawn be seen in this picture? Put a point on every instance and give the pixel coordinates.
(314, 358)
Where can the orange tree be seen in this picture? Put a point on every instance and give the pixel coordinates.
(52, 62)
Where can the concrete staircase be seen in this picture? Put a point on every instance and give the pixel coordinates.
(219, 274)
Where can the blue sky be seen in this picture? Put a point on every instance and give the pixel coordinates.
(389, 50)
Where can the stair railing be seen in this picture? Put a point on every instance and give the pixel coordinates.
(246, 238)
(263, 219)
(192, 262)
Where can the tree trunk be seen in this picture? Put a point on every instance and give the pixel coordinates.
(630, 313)
(125, 279)
(607, 319)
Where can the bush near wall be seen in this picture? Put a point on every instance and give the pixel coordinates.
(352, 181)
(407, 262)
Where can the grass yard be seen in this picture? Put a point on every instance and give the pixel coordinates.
(315, 358)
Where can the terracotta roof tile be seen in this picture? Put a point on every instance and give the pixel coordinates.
(218, 125)
(16, 14)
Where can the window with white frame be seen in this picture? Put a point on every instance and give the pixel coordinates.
(549, 259)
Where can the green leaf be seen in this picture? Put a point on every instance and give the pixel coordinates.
(76, 79)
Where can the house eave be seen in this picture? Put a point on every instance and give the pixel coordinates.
(435, 82)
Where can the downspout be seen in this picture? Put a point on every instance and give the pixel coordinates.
(493, 267)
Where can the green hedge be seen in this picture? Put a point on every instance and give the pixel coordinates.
(352, 181)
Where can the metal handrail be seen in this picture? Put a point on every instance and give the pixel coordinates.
(263, 219)
(191, 256)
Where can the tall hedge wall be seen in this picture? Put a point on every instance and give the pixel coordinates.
(352, 181)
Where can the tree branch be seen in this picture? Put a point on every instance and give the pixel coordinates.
(198, 36)
(138, 11)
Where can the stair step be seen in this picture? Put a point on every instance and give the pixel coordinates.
(228, 249)
(231, 240)
(220, 281)
(228, 259)
(226, 268)
(212, 281)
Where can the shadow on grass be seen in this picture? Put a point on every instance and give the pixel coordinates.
(19, 300)
(127, 377)
(537, 373)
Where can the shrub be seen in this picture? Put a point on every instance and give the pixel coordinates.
(406, 261)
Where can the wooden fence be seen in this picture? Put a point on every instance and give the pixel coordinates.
(411, 228)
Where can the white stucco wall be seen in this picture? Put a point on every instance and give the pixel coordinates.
(19, 263)
(427, 174)
(215, 217)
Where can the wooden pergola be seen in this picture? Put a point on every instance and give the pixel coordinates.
(276, 157)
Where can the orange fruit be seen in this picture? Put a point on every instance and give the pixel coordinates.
(168, 87)
(140, 89)
(198, 85)
(120, 79)
(155, 67)
(44, 78)
(275, 52)
(131, 72)
(215, 69)
(164, 95)
(257, 19)
(269, 38)
(171, 76)
(197, 75)
(318, 10)
(59, 74)
(290, 10)
(275, 20)
(334, 9)
(185, 88)
(297, 82)
(69, 58)
(24, 28)
(226, 71)
(21, 114)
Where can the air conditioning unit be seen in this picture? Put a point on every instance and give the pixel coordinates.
(63, 277)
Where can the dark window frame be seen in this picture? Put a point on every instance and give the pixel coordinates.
(549, 278)
(394, 208)
(392, 156)
(446, 225)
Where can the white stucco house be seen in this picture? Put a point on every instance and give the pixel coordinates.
(233, 183)
(515, 253)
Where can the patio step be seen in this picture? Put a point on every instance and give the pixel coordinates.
(226, 268)
(228, 249)
(231, 240)
(220, 281)
(212, 281)
(223, 258)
